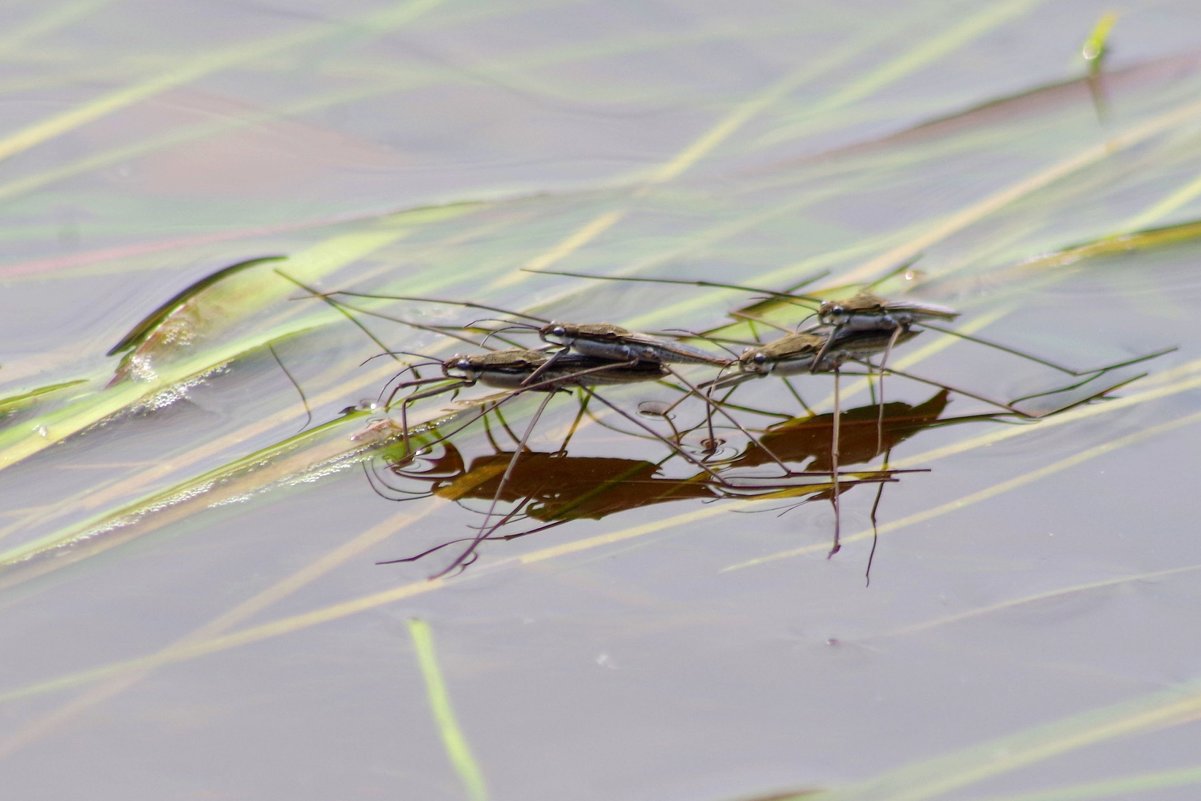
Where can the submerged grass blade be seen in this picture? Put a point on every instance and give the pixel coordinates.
(112, 683)
(1036, 598)
(453, 740)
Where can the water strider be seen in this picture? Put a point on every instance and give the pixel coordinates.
(591, 354)
(511, 369)
(808, 352)
(866, 311)
(521, 370)
(602, 340)
(605, 341)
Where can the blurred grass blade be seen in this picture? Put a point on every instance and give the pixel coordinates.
(55, 18)
(453, 740)
(197, 67)
(1129, 786)
(935, 778)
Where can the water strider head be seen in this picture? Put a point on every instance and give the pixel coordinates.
(499, 368)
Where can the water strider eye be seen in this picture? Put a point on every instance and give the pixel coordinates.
(558, 331)
(759, 358)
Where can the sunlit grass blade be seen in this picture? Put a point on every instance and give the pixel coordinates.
(226, 299)
(453, 740)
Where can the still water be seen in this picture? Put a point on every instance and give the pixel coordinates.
(189, 601)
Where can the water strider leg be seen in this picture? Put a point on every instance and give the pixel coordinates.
(867, 575)
(1000, 404)
(991, 343)
(892, 340)
(834, 469)
(575, 424)
(707, 397)
(788, 295)
(429, 393)
(466, 304)
(308, 413)
(485, 529)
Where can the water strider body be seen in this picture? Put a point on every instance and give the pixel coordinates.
(812, 351)
(608, 341)
(867, 311)
(808, 352)
(512, 368)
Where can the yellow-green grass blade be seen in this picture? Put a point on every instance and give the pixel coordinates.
(453, 740)
(733, 121)
(925, 51)
(330, 446)
(54, 18)
(235, 300)
(1120, 786)
(935, 778)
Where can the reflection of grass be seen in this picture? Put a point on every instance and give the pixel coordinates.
(1067, 192)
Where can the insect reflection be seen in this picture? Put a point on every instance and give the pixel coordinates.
(554, 487)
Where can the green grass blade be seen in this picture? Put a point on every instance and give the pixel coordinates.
(453, 740)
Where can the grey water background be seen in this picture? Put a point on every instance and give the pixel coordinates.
(655, 666)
